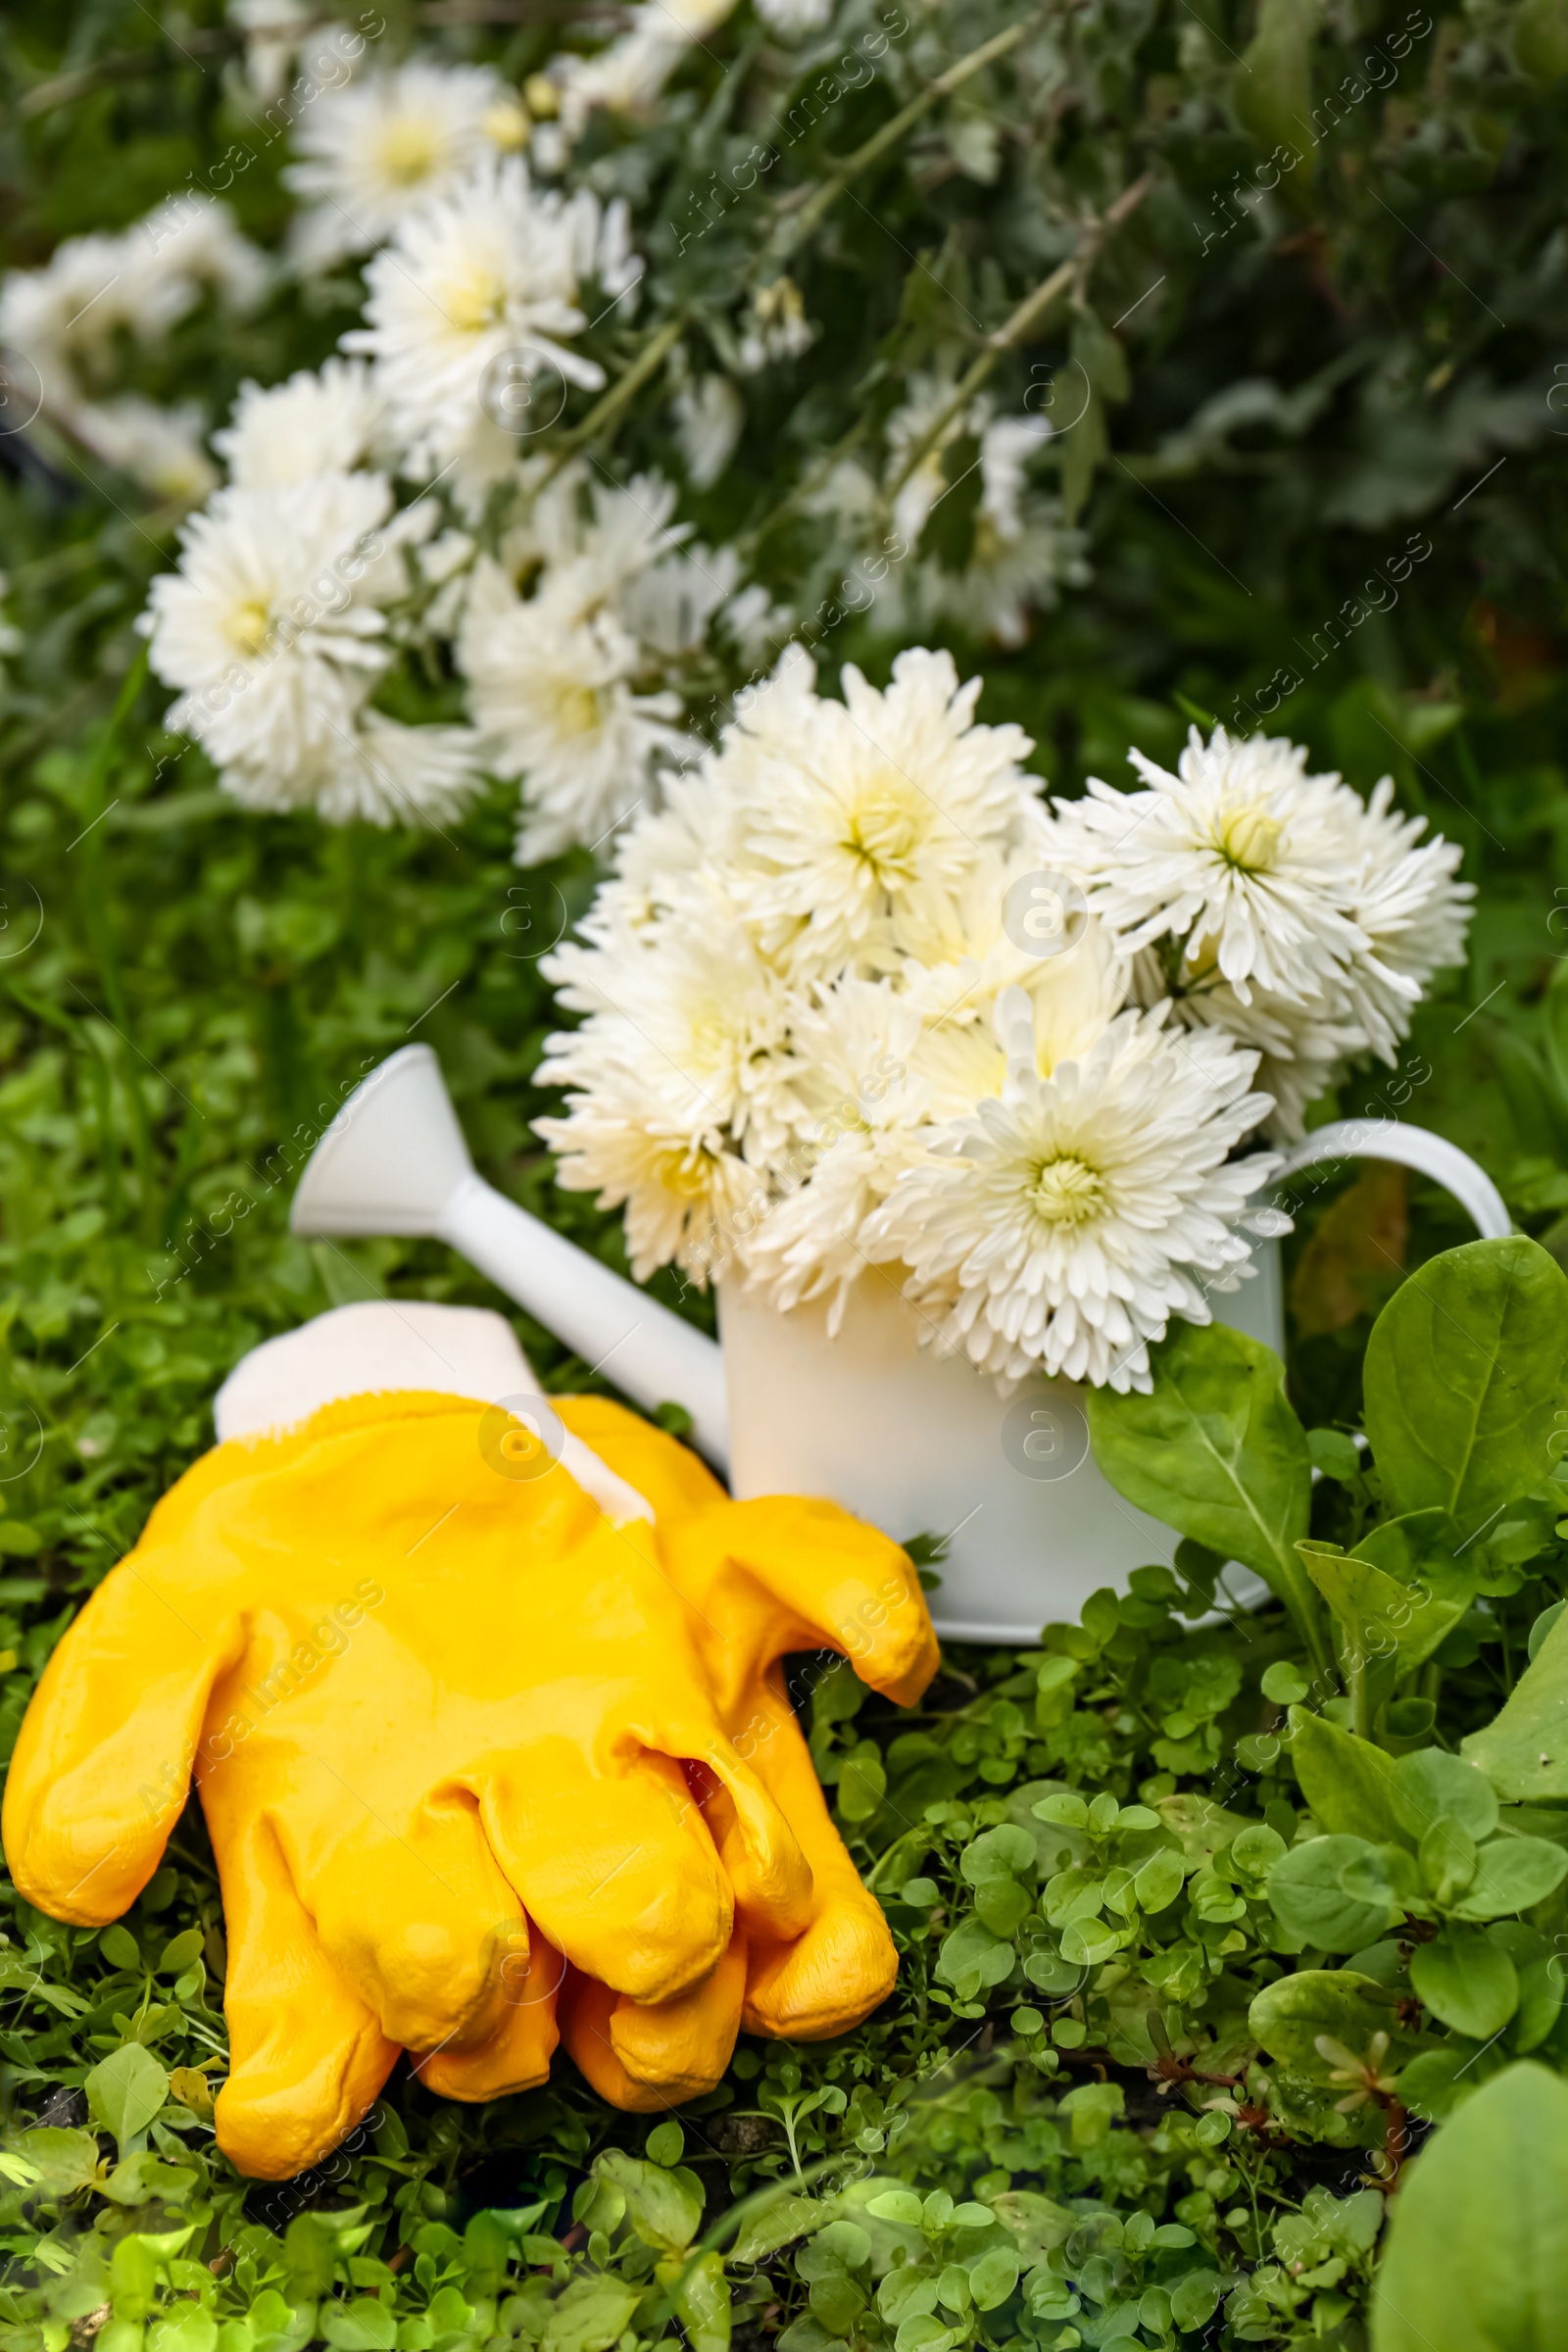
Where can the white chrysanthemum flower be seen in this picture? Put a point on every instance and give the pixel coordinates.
(693, 1005)
(377, 770)
(552, 691)
(858, 1099)
(65, 315)
(1062, 1225)
(321, 420)
(489, 274)
(162, 449)
(268, 627)
(188, 246)
(688, 1196)
(862, 810)
(1307, 922)
(629, 76)
(376, 150)
(1411, 910)
(1241, 852)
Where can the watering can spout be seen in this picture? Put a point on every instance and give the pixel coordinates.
(394, 1162)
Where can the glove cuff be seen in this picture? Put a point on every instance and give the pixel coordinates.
(380, 1345)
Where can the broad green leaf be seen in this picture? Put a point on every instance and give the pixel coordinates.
(1432, 1786)
(589, 2315)
(1157, 1882)
(1307, 1891)
(1477, 2253)
(362, 2326)
(1397, 1603)
(1511, 1874)
(994, 2277)
(1002, 1852)
(1466, 1370)
(119, 1947)
(1271, 88)
(125, 2091)
(703, 2302)
(663, 2207)
(897, 2205)
(971, 1958)
(1348, 1783)
(1467, 1981)
(1523, 1750)
(1037, 2222)
(1288, 2016)
(63, 2160)
(778, 2222)
(1216, 1451)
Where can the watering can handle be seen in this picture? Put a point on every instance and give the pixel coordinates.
(1415, 1148)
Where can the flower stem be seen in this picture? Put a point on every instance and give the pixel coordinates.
(801, 210)
(1022, 321)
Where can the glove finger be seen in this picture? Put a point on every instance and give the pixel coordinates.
(307, 2057)
(515, 2055)
(643, 2057)
(616, 1867)
(826, 1979)
(418, 1917)
(103, 1761)
(825, 1580)
(769, 1876)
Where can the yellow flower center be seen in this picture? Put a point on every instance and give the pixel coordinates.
(686, 1174)
(407, 151)
(506, 125)
(577, 709)
(1249, 839)
(884, 832)
(476, 302)
(248, 626)
(1067, 1189)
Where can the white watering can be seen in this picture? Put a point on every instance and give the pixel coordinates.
(913, 1442)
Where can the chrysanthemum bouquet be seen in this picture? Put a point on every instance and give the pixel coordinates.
(859, 997)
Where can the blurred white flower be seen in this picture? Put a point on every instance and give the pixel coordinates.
(65, 317)
(372, 152)
(1411, 911)
(552, 692)
(271, 629)
(792, 18)
(629, 76)
(777, 328)
(187, 246)
(274, 30)
(1061, 1224)
(489, 272)
(709, 417)
(162, 449)
(325, 420)
(1020, 556)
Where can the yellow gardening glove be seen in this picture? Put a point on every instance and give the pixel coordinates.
(426, 1699)
(761, 1578)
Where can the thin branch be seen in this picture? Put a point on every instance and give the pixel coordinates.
(607, 406)
(803, 208)
(1028, 315)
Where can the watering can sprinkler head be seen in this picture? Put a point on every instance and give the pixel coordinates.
(394, 1162)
